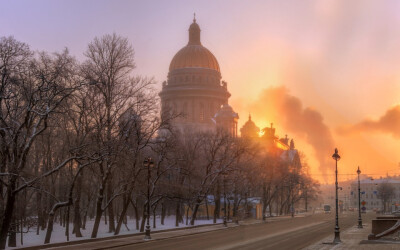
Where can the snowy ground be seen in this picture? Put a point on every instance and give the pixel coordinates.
(58, 235)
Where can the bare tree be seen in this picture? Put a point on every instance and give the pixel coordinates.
(31, 90)
(386, 192)
(110, 61)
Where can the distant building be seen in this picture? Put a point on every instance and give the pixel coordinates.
(194, 90)
(370, 195)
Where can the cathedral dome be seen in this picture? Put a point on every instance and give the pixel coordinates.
(250, 129)
(194, 55)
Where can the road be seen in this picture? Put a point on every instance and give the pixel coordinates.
(293, 233)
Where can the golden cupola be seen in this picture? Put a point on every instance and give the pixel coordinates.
(194, 54)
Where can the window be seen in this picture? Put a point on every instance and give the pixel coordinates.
(201, 117)
(185, 111)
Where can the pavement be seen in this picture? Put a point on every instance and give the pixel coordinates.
(355, 238)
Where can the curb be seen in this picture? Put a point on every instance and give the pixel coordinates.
(167, 238)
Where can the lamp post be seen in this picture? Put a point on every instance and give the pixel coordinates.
(359, 200)
(336, 240)
(148, 163)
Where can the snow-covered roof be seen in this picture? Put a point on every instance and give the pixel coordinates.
(378, 181)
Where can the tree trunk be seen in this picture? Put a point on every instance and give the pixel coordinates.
(194, 214)
(144, 218)
(51, 219)
(67, 224)
(137, 218)
(41, 221)
(217, 207)
(22, 231)
(77, 214)
(84, 220)
(163, 211)
(49, 228)
(110, 208)
(235, 204)
(122, 216)
(207, 212)
(187, 215)
(99, 212)
(229, 211)
(154, 218)
(177, 213)
(217, 201)
(12, 235)
(8, 213)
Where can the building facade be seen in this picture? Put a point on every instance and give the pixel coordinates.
(370, 194)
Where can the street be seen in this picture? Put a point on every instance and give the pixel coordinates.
(289, 233)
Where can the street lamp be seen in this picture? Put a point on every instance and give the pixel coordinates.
(359, 200)
(336, 240)
(148, 163)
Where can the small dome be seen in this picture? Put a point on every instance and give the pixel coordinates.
(226, 111)
(194, 55)
(250, 129)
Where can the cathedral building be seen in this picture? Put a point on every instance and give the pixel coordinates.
(194, 90)
(197, 98)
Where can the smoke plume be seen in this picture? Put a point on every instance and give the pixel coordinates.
(388, 123)
(287, 112)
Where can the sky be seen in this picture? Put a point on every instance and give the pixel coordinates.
(326, 72)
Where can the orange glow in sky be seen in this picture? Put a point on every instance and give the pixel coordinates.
(326, 73)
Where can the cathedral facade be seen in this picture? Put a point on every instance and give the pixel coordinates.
(194, 91)
(197, 98)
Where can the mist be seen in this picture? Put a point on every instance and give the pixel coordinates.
(288, 113)
(388, 123)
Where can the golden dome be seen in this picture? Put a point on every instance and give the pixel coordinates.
(194, 55)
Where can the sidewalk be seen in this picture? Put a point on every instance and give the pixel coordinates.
(353, 238)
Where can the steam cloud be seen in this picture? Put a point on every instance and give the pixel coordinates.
(388, 123)
(287, 111)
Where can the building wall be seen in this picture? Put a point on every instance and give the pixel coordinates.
(370, 195)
